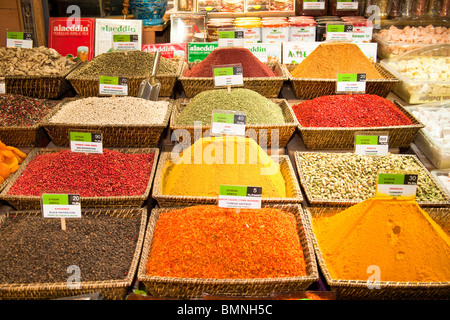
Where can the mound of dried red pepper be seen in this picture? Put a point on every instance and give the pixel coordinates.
(111, 173)
(356, 110)
(220, 243)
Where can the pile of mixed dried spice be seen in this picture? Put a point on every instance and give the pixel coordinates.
(220, 243)
(19, 110)
(111, 173)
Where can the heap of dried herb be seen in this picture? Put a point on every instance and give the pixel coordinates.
(18, 110)
(259, 110)
(124, 63)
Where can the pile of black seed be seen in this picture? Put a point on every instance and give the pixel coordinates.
(37, 250)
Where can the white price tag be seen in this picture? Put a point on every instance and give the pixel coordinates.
(240, 197)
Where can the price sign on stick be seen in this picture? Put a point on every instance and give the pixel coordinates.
(228, 76)
(61, 206)
(351, 83)
(228, 122)
(19, 39)
(113, 85)
(396, 184)
(126, 42)
(86, 142)
(229, 37)
(371, 143)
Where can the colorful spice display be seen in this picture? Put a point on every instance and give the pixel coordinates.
(220, 243)
(37, 250)
(124, 63)
(396, 236)
(109, 174)
(18, 110)
(251, 66)
(112, 111)
(38, 61)
(258, 109)
(328, 59)
(356, 110)
(349, 176)
(214, 161)
(10, 160)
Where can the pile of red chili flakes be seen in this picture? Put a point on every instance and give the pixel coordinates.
(356, 110)
(220, 243)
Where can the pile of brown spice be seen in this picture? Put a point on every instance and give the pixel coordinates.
(329, 59)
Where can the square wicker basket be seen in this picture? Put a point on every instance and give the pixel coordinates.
(344, 202)
(114, 135)
(185, 288)
(388, 290)
(89, 87)
(293, 192)
(306, 89)
(316, 138)
(34, 202)
(263, 132)
(268, 87)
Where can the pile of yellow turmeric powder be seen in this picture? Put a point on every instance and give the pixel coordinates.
(392, 236)
(230, 160)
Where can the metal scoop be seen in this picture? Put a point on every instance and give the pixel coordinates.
(149, 88)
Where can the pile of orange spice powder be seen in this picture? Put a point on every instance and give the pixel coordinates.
(220, 243)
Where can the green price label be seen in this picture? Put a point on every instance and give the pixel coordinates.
(223, 71)
(240, 191)
(223, 117)
(336, 28)
(81, 136)
(397, 179)
(15, 35)
(55, 199)
(125, 38)
(121, 38)
(109, 80)
(85, 137)
(226, 34)
(348, 77)
(367, 140)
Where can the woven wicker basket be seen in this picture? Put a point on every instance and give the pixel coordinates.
(258, 132)
(42, 87)
(293, 192)
(343, 202)
(89, 87)
(316, 138)
(114, 136)
(268, 87)
(194, 288)
(21, 136)
(388, 290)
(306, 89)
(108, 289)
(34, 202)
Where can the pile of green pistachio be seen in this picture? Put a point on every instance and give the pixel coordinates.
(352, 177)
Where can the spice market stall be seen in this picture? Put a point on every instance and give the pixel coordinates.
(151, 218)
